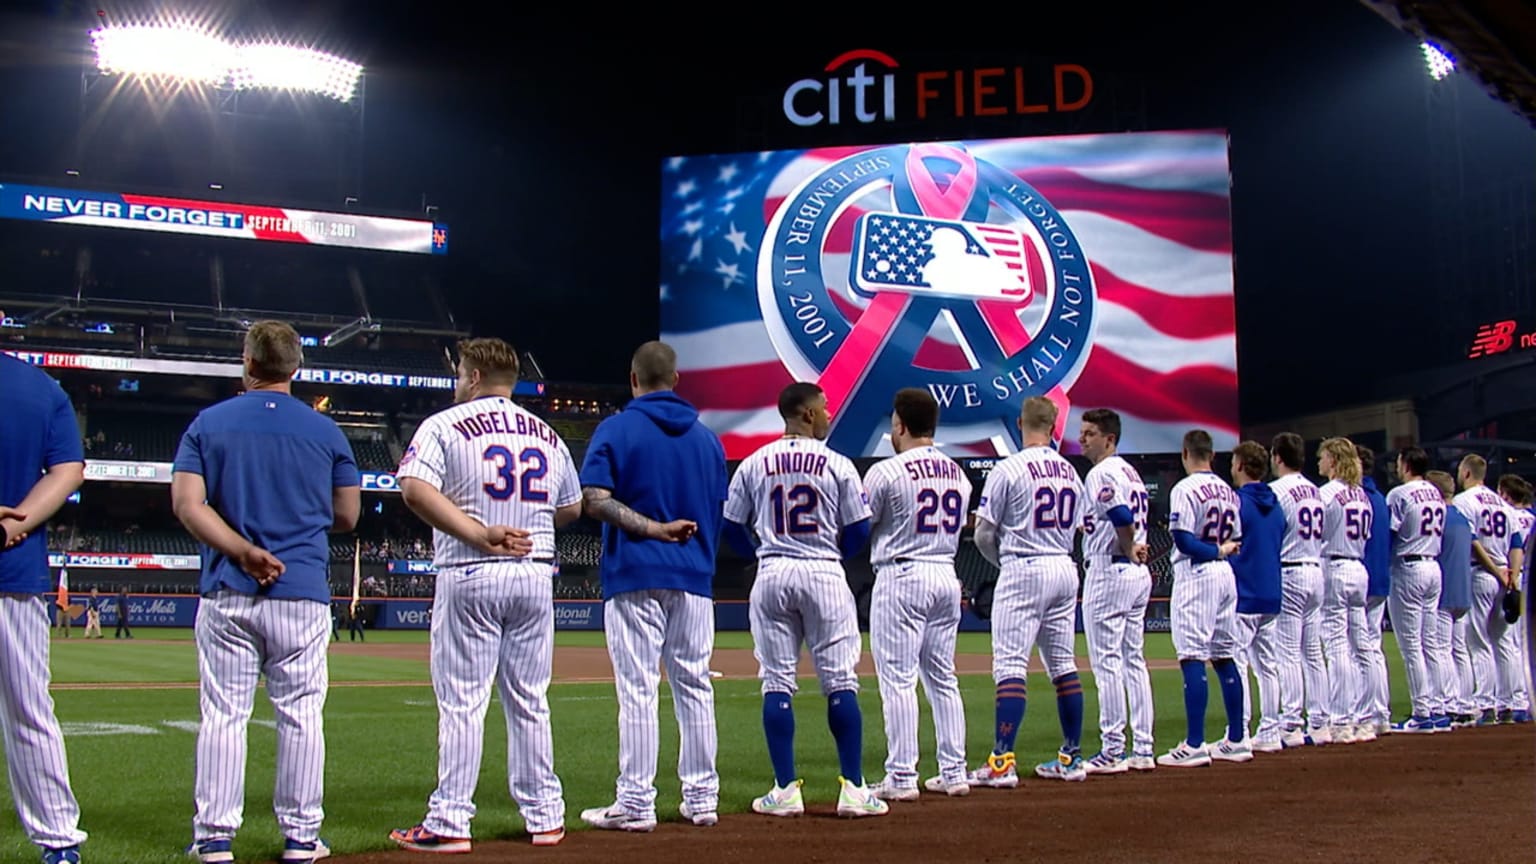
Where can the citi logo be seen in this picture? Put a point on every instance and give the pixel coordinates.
(866, 92)
(830, 92)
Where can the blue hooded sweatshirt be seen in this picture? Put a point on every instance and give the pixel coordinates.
(1257, 562)
(1378, 547)
(661, 462)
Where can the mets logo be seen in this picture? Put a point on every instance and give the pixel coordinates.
(922, 266)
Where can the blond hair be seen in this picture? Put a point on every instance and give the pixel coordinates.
(1346, 460)
(274, 351)
(1444, 482)
(1038, 414)
(495, 358)
(1475, 466)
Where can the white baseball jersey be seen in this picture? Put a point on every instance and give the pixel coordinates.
(1034, 497)
(798, 494)
(1526, 520)
(1418, 518)
(501, 465)
(1493, 521)
(1206, 506)
(1112, 483)
(1347, 519)
(917, 504)
(1303, 508)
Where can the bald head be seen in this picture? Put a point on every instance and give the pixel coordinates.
(653, 368)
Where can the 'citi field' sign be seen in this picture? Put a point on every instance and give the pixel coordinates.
(862, 86)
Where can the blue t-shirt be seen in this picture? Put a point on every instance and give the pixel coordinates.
(660, 461)
(1455, 562)
(270, 463)
(37, 431)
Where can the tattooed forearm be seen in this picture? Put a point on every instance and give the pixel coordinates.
(602, 506)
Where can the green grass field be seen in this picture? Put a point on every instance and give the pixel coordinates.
(131, 750)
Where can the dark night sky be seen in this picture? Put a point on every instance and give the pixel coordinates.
(523, 127)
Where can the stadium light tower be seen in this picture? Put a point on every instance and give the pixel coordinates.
(1440, 62)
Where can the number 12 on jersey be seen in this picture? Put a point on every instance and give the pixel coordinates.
(794, 512)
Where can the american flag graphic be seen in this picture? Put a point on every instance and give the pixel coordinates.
(1150, 210)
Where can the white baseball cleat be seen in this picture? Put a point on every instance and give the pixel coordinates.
(885, 790)
(1365, 732)
(1269, 745)
(957, 789)
(781, 801)
(1000, 772)
(1231, 751)
(1319, 736)
(855, 801)
(1107, 763)
(1185, 756)
(1142, 762)
(1344, 734)
(615, 818)
(701, 817)
(1293, 739)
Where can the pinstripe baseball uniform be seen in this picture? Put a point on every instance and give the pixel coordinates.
(1204, 594)
(1346, 528)
(1115, 594)
(918, 501)
(38, 432)
(240, 447)
(493, 620)
(1034, 497)
(1520, 700)
(1495, 661)
(1303, 675)
(797, 494)
(1417, 511)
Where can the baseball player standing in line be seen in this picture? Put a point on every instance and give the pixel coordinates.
(1031, 507)
(1204, 517)
(1417, 511)
(42, 462)
(1378, 568)
(1303, 676)
(1115, 594)
(917, 501)
(654, 475)
(1516, 492)
(122, 615)
(93, 614)
(1347, 525)
(1451, 672)
(266, 594)
(1257, 568)
(494, 482)
(808, 508)
(1496, 551)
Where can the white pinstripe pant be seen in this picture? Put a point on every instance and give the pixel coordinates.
(1115, 599)
(914, 620)
(34, 746)
(645, 629)
(240, 638)
(494, 624)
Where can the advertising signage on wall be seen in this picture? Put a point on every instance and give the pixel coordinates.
(222, 219)
(866, 86)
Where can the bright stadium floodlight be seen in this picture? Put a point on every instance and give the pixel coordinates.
(1441, 63)
(290, 68)
(187, 52)
(176, 51)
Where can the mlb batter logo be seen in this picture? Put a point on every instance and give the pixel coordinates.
(920, 265)
(965, 260)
